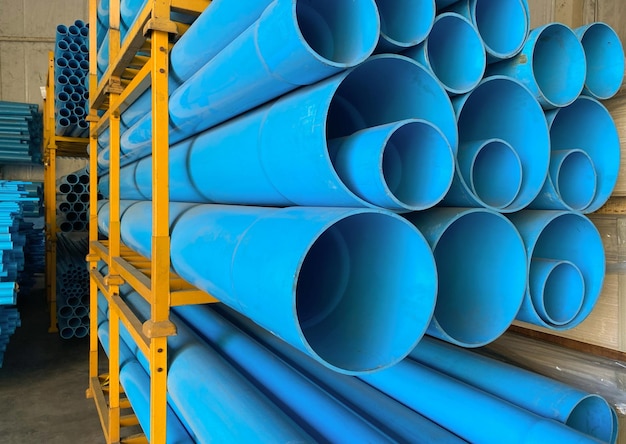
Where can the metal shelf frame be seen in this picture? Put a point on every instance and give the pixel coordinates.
(54, 146)
(128, 76)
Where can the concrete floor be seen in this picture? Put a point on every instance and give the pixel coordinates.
(42, 383)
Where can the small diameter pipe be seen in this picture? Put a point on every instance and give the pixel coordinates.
(503, 25)
(480, 256)
(453, 52)
(504, 111)
(605, 60)
(562, 236)
(327, 251)
(404, 23)
(551, 64)
(586, 413)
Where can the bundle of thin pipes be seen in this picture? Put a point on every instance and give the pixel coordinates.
(477, 117)
(21, 133)
(9, 321)
(71, 69)
(72, 285)
(73, 201)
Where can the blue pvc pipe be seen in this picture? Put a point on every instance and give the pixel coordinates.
(401, 423)
(480, 257)
(503, 25)
(566, 236)
(586, 125)
(293, 43)
(323, 260)
(501, 108)
(453, 52)
(249, 160)
(404, 23)
(587, 413)
(551, 64)
(487, 419)
(605, 60)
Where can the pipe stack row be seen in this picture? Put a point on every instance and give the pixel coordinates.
(73, 201)
(21, 132)
(380, 179)
(72, 285)
(71, 69)
(9, 321)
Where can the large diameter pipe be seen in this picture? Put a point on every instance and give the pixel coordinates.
(588, 413)
(504, 149)
(503, 25)
(561, 236)
(453, 52)
(404, 23)
(487, 419)
(551, 64)
(323, 260)
(400, 422)
(480, 257)
(605, 60)
(584, 125)
(249, 160)
(293, 43)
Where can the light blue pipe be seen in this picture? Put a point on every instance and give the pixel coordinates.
(453, 52)
(587, 125)
(331, 420)
(323, 260)
(605, 60)
(293, 43)
(128, 13)
(499, 108)
(404, 23)
(208, 408)
(103, 54)
(480, 257)
(562, 236)
(249, 160)
(400, 422)
(587, 413)
(551, 64)
(487, 420)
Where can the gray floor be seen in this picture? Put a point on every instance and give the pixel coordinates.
(42, 384)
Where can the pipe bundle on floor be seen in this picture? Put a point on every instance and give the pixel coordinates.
(71, 80)
(285, 181)
(9, 321)
(73, 201)
(21, 132)
(72, 290)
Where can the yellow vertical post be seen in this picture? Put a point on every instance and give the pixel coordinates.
(159, 325)
(93, 200)
(50, 197)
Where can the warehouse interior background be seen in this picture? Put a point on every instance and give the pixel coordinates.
(32, 373)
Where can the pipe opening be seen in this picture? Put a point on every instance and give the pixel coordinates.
(66, 332)
(406, 22)
(329, 27)
(480, 257)
(350, 275)
(605, 60)
(558, 64)
(503, 26)
(64, 207)
(65, 188)
(557, 290)
(576, 179)
(65, 311)
(456, 53)
(594, 417)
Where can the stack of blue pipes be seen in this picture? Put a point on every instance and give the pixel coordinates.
(21, 133)
(73, 201)
(72, 285)
(71, 80)
(14, 233)
(381, 185)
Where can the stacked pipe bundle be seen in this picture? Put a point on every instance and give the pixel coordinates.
(21, 132)
(285, 181)
(73, 201)
(71, 69)
(72, 285)
(9, 321)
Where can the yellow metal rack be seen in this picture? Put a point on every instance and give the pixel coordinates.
(54, 146)
(127, 76)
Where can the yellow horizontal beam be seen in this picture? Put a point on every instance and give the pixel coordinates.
(132, 324)
(139, 281)
(190, 6)
(189, 297)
